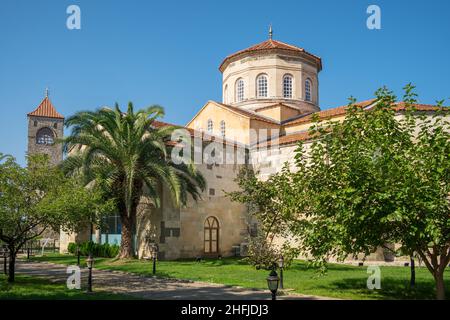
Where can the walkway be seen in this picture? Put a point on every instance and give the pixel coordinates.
(149, 287)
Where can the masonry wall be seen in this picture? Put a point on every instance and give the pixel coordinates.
(179, 232)
(54, 151)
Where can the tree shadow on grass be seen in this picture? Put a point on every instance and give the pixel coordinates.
(391, 289)
(35, 288)
(216, 261)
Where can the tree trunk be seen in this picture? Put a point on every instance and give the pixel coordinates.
(12, 265)
(126, 244)
(440, 287)
(412, 282)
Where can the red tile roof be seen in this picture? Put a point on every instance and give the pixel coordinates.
(330, 113)
(250, 114)
(207, 137)
(275, 105)
(269, 45)
(335, 112)
(46, 109)
(419, 107)
(286, 139)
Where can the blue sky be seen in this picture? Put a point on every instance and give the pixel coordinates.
(168, 52)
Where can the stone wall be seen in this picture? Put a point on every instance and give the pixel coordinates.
(56, 126)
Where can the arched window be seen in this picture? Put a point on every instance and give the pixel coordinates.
(210, 126)
(45, 136)
(222, 128)
(211, 235)
(308, 90)
(239, 90)
(225, 94)
(261, 86)
(287, 86)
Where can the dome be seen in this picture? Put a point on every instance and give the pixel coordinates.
(270, 46)
(271, 72)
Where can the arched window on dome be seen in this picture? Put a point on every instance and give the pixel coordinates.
(45, 136)
(261, 86)
(210, 126)
(240, 90)
(225, 94)
(222, 128)
(287, 86)
(308, 90)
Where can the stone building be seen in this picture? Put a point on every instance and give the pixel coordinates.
(270, 94)
(45, 125)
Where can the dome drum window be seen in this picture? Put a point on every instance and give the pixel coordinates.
(261, 86)
(240, 90)
(308, 90)
(225, 95)
(287, 86)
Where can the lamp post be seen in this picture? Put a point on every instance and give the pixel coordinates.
(272, 283)
(90, 264)
(78, 255)
(154, 257)
(281, 266)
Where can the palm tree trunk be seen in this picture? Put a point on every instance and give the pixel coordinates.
(126, 245)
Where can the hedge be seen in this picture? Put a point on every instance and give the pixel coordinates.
(97, 250)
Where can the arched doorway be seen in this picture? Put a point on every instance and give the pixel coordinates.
(211, 235)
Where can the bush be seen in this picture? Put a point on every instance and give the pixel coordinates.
(72, 248)
(97, 250)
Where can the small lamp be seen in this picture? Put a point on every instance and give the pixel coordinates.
(90, 264)
(272, 283)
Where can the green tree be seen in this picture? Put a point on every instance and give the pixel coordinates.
(125, 153)
(376, 178)
(39, 197)
(268, 203)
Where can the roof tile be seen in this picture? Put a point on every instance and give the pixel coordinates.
(270, 45)
(46, 109)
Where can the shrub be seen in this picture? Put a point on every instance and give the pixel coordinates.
(97, 250)
(72, 248)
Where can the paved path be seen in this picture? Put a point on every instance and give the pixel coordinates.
(149, 287)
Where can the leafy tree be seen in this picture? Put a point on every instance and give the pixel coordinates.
(268, 203)
(39, 197)
(125, 153)
(376, 178)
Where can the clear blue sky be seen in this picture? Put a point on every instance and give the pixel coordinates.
(168, 52)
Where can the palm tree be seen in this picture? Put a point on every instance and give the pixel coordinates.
(125, 154)
(5, 157)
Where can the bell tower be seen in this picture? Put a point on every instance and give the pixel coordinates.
(45, 125)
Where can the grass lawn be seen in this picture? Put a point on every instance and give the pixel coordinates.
(26, 287)
(341, 281)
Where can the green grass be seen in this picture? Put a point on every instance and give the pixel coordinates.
(341, 281)
(34, 288)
